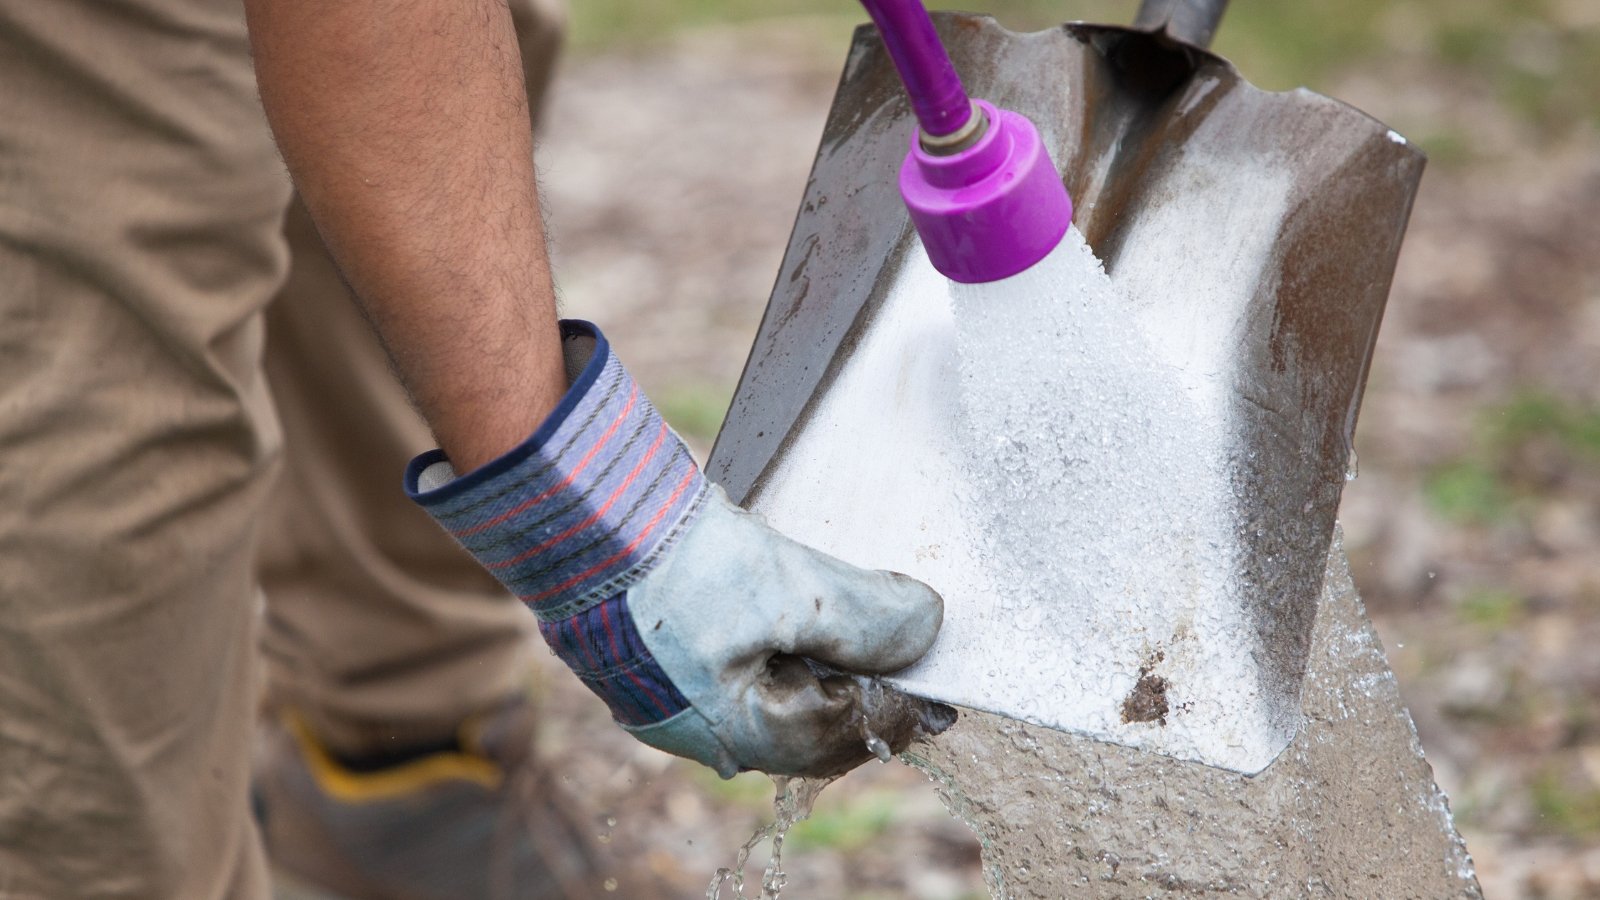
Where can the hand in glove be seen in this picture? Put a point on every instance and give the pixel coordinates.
(690, 617)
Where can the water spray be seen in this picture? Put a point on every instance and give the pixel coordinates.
(982, 192)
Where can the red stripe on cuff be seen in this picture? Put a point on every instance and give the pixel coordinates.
(564, 482)
(601, 566)
(594, 517)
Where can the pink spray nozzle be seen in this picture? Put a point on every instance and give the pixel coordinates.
(987, 202)
(992, 209)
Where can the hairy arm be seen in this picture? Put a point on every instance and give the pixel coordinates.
(405, 126)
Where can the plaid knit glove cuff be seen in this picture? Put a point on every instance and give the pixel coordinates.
(574, 516)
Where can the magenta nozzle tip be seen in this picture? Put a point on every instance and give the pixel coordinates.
(991, 210)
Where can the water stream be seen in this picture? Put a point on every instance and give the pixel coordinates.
(1098, 449)
(793, 803)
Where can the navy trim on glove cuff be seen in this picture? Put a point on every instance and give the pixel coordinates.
(575, 515)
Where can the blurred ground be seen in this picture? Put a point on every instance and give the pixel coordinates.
(673, 162)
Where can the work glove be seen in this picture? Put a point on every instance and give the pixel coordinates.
(710, 635)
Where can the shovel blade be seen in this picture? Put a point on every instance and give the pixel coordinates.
(1256, 234)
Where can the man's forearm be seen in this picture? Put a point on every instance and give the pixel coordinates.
(405, 126)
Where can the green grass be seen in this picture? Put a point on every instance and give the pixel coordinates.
(600, 23)
(1539, 65)
(695, 410)
(1449, 147)
(1543, 69)
(747, 790)
(1487, 484)
(1279, 45)
(1494, 608)
(1564, 809)
(839, 822)
(848, 827)
(842, 822)
(1285, 45)
(1465, 43)
(1537, 415)
(1469, 492)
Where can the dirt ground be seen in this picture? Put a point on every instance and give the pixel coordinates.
(672, 174)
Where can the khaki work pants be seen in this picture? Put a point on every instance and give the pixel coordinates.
(152, 300)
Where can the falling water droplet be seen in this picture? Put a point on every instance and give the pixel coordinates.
(879, 747)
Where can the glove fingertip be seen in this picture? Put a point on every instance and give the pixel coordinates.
(912, 624)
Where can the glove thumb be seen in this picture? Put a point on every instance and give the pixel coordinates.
(860, 620)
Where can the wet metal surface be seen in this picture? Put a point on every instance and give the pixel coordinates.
(1258, 232)
(1349, 809)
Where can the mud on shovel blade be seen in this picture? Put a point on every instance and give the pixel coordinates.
(1252, 238)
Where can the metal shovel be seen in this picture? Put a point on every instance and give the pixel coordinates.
(1257, 233)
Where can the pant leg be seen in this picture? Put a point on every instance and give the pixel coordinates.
(141, 203)
(380, 629)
